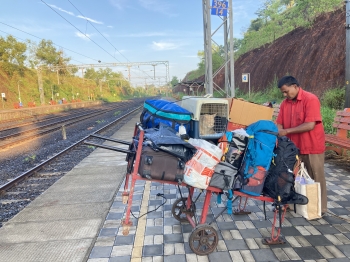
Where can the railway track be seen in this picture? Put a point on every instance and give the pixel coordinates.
(13, 182)
(15, 135)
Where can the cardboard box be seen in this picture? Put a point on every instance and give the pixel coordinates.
(245, 113)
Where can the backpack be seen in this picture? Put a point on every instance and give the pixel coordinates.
(236, 149)
(258, 156)
(279, 183)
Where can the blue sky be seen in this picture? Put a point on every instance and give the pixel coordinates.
(127, 30)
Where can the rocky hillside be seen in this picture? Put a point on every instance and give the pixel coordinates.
(315, 56)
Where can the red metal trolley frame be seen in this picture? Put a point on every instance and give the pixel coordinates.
(204, 238)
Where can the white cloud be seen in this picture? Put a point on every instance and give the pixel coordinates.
(159, 6)
(62, 10)
(109, 26)
(89, 19)
(161, 46)
(120, 4)
(82, 36)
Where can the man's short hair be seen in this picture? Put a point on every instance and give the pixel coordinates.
(288, 81)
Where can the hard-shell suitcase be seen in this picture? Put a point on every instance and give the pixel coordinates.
(223, 176)
(160, 165)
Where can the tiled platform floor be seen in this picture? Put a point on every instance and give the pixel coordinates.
(157, 236)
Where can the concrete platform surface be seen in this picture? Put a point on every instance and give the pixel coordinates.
(63, 223)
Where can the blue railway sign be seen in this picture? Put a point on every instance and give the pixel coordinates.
(219, 8)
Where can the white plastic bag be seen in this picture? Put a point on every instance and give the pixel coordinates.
(306, 186)
(200, 169)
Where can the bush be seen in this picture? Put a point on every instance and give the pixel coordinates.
(334, 98)
(328, 115)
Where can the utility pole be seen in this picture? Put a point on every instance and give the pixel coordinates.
(19, 92)
(129, 73)
(154, 71)
(40, 84)
(222, 9)
(347, 56)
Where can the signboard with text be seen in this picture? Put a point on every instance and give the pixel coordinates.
(3, 95)
(219, 8)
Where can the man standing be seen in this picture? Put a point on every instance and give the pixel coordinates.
(300, 119)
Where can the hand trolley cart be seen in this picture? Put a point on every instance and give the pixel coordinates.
(204, 237)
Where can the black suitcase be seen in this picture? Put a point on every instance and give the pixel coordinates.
(160, 165)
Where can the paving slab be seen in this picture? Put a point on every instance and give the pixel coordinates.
(68, 250)
(63, 223)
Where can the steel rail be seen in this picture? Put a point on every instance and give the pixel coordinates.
(38, 119)
(30, 172)
(58, 120)
(51, 127)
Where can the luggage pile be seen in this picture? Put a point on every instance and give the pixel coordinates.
(253, 160)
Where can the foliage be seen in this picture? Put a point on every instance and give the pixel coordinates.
(270, 94)
(328, 115)
(218, 58)
(278, 17)
(12, 55)
(334, 98)
(30, 158)
(174, 81)
(45, 54)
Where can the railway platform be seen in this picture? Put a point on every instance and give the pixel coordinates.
(79, 219)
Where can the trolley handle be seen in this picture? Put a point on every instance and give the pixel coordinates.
(118, 149)
(111, 139)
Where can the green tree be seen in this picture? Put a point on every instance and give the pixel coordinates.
(237, 44)
(174, 81)
(46, 54)
(12, 55)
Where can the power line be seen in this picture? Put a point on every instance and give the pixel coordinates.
(79, 30)
(43, 39)
(105, 37)
(97, 30)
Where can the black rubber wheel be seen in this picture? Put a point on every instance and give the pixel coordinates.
(179, 210)
(203, 240)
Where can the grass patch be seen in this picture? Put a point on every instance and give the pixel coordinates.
(30, 159)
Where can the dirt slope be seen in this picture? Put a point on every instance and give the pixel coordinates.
(315, 56)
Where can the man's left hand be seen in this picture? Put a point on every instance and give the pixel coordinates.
(282, 132)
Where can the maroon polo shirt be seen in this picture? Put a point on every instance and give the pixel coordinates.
(306, 108)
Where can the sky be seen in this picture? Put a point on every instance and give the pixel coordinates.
(121, 31)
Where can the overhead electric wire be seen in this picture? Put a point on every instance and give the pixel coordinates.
(44, 39)
(79, 30)
(97, 30)
(106, 38)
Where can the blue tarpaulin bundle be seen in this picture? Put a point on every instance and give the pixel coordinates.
(166, 112)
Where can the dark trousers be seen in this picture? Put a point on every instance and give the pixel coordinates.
(314, 164)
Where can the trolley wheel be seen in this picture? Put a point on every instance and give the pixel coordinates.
(179, 210)
(203, 239)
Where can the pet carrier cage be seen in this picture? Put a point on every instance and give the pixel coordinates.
(210, 116)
